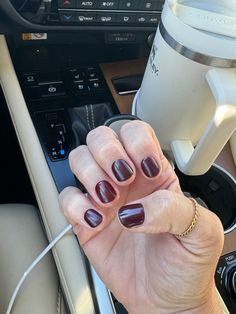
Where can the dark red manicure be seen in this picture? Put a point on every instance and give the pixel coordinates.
(93, 218)
(150, 167)
(121, 170)
(131, 215)
(105, 192)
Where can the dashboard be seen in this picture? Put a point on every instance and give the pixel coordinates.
(76, 14)
(72, 57)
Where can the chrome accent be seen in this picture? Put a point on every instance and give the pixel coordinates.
(128, 92)
(103, 295)
(82, 10)
(194, 55)
(233, 226)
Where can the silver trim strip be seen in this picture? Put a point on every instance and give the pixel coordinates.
(76, 10)
(194, 55)
(233, 227)
(128, 92)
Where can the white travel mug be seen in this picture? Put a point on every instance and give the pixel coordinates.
(188, 93)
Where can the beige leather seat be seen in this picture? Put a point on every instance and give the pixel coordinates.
(21, 240)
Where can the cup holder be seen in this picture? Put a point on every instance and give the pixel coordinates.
(216, 189)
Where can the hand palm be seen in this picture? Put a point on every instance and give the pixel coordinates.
(147, 268)
(126, 259)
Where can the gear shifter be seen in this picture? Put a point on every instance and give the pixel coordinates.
(87, 118)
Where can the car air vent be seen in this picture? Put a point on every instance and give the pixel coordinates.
(27, 8)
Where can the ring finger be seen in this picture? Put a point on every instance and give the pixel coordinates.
(97, 183)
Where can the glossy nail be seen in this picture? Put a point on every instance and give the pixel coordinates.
(122, 170)
(150, 167)
(131, 215)
(105, 192)
(93, 218)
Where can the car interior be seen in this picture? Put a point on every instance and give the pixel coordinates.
(66, 67)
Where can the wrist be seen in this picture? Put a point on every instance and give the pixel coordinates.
(213, 304)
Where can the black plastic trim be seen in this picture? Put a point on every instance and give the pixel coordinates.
(7, 7)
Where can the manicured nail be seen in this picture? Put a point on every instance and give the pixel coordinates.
(105, 192)
(93, 218)
(150, 167)
(131, 215)
(122, 170)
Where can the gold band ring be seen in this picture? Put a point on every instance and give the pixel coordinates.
(193, 222)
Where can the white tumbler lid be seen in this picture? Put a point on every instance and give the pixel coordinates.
(214, 16)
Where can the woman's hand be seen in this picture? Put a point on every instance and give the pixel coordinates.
(127, 224)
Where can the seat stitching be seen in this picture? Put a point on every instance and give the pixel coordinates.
(87, 117)
(93, 122)
(59, 300)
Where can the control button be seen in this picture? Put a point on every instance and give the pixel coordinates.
(120, 37)
(86, 17)
(52, 89)
(126, 18)
(76, 75)
(108, 4)
(64, 4)
(142, 18)
(87, 4)
(106, 18)
(67, 17)
(91, 73)
(153, 19)
(128, 4)
(149, 5)
(80, 87)
(30, 78)
(94, 85)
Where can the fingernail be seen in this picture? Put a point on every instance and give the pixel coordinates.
(131, 215)
(150, 167)
(93, 218)
(105, 192)
(122, 170)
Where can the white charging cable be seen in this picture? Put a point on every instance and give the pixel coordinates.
(34, 263)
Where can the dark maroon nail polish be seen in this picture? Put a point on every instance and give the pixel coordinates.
(105, 192)
(131, 215)
(150, 167)
(93, 218)
(121, 170)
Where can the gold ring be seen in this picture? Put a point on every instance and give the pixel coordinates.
(193, 222)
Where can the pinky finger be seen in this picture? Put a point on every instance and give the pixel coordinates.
(81, 213)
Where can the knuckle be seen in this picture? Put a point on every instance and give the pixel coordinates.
(64, 199)
(69, 207)
(134, 125)
(106, 151)
(94, 134)
(77, 154)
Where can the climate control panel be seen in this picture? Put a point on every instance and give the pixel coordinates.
(113, 12)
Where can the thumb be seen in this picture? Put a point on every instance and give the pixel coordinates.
(169, 212)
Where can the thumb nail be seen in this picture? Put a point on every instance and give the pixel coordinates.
(131, 215)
